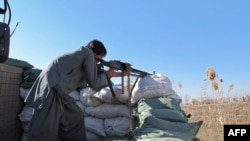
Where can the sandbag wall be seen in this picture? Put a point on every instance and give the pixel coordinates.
(157, 113)
(103, 120)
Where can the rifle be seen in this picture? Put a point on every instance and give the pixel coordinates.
(122, 66)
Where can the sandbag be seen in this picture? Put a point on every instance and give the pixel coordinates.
(75, 95)
(185, 128)
(106, 96)
(23, 93)
(151, 86)
(107, 110)
(95, 125)
(91, 101)
(29, 77)
(159, 103)
(154, 134)
(80, 101)
(116, 127)
(165, 114)
(18, 63)
(26, 114)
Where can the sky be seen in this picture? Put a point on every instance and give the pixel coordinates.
(177, 38)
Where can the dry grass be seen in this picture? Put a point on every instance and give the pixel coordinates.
(217, 109)
(215, 116)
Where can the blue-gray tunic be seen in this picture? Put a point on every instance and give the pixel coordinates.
(64, 74)
(49, 94)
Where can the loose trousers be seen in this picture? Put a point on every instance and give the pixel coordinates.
(60, 119)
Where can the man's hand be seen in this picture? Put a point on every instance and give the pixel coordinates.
(114, 73)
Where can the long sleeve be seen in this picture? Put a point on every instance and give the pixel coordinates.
(94, 80)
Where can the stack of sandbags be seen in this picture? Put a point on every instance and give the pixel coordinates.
(112, 111)
(163, 119)
(159, 113)
(102, 120)
(106, 116)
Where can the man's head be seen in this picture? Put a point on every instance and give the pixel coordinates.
(98, 48)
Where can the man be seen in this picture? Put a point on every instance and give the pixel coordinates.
(56, 116)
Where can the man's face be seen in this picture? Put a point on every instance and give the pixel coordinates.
(98, 58)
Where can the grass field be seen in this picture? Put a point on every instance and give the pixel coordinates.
(217, 109)
(215, 116)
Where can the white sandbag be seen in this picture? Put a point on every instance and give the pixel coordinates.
(82, 103)
(24, 93)
(87, 90)
(116, 127)
(93, 137)
(91, 101)
(26, 114)
(80, 100)
(161, 77)
(75, 95)
(107, 110)
(95, 125)
(151, 86)
(106, 96)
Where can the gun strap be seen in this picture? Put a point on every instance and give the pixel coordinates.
(112, 91)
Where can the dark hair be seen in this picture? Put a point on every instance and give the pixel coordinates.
(97, 47)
